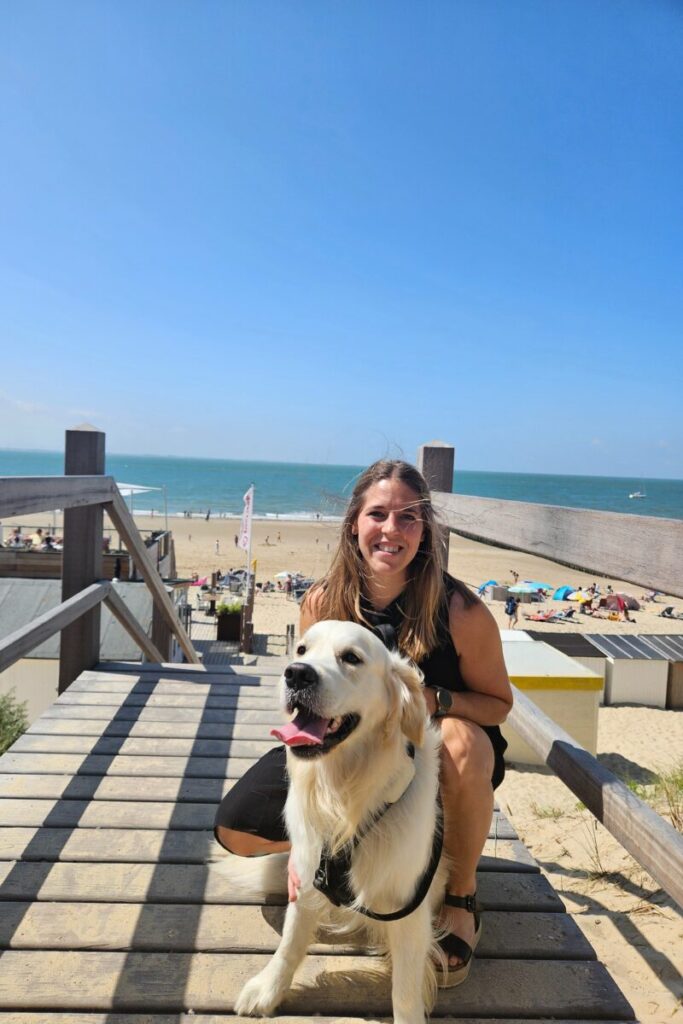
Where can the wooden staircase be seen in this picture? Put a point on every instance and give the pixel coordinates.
(111, 913)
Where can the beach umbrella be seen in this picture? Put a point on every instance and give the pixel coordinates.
(523, 588)
(489, 583)
(562, 593)
(201, 582)
(284, 575)
(581, 596)
(538, 586)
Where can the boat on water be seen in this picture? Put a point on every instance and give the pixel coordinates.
(638, 494)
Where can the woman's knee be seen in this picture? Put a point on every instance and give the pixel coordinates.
(244, 844)
(467, 752)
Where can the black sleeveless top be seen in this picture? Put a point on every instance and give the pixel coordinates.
(441, 667)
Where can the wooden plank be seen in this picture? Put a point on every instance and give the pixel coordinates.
(27, 1017)
(201, 883)
(649, 838)
(31, 743)
(102, 789)
(644, 550)
(123, 615)
(150, 729)
(110, 814)
(108, 682)
(140, 767)
(125, 524)
(81, 557)
(140, 713)
(506, 935)
(133, 842)
(210, 982)
(20, 495)
(22, 641)
(244, 700)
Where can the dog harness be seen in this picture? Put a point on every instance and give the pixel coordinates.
(332, 875)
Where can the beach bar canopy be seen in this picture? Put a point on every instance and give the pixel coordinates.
(566, 691)
(636, 672)
(578, 647)
(671, 648)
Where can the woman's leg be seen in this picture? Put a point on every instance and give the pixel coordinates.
(250, 819)
(244, 844)
(467, 761)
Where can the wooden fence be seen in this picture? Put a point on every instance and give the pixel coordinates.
(83, 499)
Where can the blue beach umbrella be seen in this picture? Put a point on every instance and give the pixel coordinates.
(538, 586)
(523, 588)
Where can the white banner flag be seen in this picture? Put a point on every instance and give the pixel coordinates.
(245, 529)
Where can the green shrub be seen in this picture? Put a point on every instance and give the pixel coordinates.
(229, 608)
(13, 720)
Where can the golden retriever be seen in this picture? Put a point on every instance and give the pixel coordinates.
(363, 764)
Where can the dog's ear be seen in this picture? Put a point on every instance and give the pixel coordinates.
(412, 710)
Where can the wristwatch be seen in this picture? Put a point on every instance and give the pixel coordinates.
(444, 701)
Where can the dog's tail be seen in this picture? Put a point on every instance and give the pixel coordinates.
(257, 878)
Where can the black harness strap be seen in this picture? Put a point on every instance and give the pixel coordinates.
(332, 875)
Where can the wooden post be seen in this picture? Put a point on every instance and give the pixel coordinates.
(161, 631)
(435, 461)
(82, 556)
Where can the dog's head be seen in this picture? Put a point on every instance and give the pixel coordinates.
(345, 684)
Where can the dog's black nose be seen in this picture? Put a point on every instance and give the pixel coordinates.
(299, 676)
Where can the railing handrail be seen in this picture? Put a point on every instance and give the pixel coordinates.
(21, 495)
(649, 838)
(646, 551)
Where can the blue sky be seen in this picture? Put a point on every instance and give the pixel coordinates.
(322, 231)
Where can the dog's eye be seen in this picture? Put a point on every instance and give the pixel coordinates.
(301, 649)
(351, 658)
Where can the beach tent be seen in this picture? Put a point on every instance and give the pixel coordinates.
(562, 593)
(612, 601)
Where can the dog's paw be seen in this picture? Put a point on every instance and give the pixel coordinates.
(258, 998)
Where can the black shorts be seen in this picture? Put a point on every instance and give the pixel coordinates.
(256, 803)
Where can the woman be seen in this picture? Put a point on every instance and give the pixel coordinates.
(387, 571)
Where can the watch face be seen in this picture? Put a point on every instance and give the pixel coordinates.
(445, 699)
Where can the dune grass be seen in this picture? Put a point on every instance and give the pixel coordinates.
(13, 720)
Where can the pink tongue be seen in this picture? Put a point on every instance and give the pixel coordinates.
(305, 730)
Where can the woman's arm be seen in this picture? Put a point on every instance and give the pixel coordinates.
(477, 641)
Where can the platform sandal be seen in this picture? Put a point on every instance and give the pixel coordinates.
(453, 945)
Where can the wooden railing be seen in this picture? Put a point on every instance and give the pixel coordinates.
(82, 557)
(650, 840)
(643, 550)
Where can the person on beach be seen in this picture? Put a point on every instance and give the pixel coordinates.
(512, 611)
(388, 572)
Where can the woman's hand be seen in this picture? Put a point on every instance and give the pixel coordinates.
(293, 881)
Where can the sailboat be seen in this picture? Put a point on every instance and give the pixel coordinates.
(639, 494)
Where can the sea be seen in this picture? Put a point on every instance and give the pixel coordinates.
(216, 487)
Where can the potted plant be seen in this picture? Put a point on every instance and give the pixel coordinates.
(229, 620)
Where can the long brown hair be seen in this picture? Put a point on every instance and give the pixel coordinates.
(338, 594)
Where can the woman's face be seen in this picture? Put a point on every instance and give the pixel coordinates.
(389, 528)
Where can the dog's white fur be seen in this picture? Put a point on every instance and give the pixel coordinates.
(334, 795)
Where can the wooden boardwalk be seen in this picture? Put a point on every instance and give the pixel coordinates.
(110, 911)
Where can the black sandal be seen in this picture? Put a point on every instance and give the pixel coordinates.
(453, 945)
